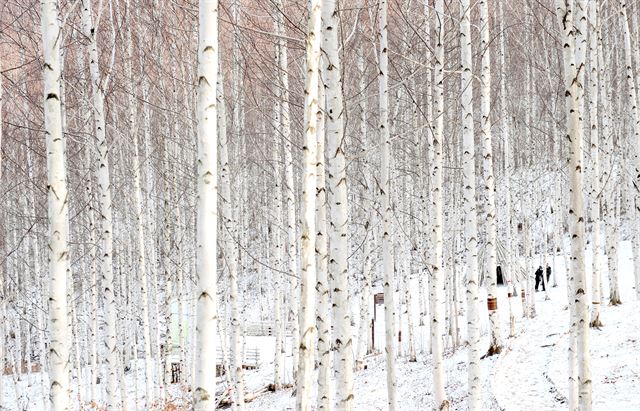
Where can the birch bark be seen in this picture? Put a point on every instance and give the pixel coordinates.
(339, 209)
(470, 210)
(308, 332)
(58, 210)
(437, 268)
(325, 397)
(206, 237)
(289, 181)
(506, 136)
(633, 102)
(387, 235)
(230, 251)
(106, 220)
(495, 343)
(594, 37)
(574, 43)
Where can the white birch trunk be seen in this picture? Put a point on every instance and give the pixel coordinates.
(506, 136)
(285, 132)
(339, 209)
(276, 228)
(606, 144)
(142, 261)
(469, 204)
(574, 44)
(594, 37)
(228, 243)
(325, 397)
(308, 332)
(106, 224)
(92, 342)
(58, 211)
(495, 342)
(206, 237)
(228, 219)
(364, 332)
(633, 102)
(437, 267)
(387, 235)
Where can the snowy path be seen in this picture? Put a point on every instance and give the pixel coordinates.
(615, 359)
(521, 380)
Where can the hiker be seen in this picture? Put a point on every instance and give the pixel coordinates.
(548, 274)
(539, 279)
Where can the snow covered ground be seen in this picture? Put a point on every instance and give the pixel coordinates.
(529, 375)
(531, 372)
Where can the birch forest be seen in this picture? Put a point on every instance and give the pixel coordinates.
(319, 205)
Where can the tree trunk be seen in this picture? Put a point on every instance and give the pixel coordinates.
(594, 37)
(308, 332)
(574, 49)
(58, 211)
(506, 136)
(142, 261)
(339, 209)
(285, 132)
(275, 229)
(324, 321)
(633, 102)
(495, 343)
(206, 252)
(387, 235)
(230, 251)
(470, 210)
(437, 268)
(106, 221)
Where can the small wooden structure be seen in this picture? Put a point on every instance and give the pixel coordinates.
(378, 299)
(263, 329)
(251, 358)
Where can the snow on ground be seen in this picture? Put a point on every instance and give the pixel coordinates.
(529, 375)
(521, 380)
(531, 372)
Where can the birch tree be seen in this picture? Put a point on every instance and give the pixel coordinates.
(469, 205)
(385, 188)
(325, 394)
(594, 38)
(58, 211)
(437, 269)
(104, 191)
(139, 215)
(635, 115)
(308, 331)
(509, 266)
(231, 250)
(206, 232)
(278, 244)
(495, 344)
(285, 131)
(339, 209)
(573, 40)
(229, 247)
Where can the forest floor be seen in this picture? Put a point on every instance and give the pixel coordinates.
(531, 372)
(529, 375)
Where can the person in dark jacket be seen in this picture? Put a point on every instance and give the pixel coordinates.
(548, 274)
(539, 279)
